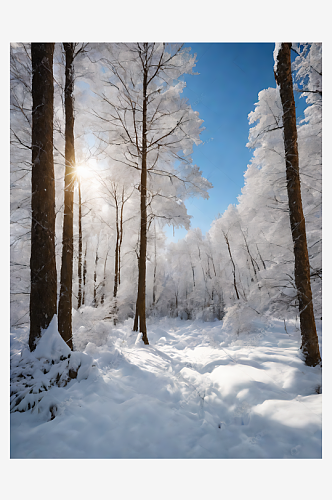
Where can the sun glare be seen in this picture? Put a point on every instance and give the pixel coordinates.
(83, 171)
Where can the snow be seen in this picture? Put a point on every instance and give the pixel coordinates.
(51, 345)
(275, 55)
(197, 391)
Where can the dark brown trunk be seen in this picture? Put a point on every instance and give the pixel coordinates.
(135, 327)
(140, 304)
(80, 244)
(66, 281)
(43, 294)
(310, 346)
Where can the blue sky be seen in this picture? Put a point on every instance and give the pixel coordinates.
(224, 93)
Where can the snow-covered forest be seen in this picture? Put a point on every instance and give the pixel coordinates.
(139, 348)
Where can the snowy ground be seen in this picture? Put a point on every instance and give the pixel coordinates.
(194, 392)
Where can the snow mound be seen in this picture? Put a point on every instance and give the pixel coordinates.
(51, 345)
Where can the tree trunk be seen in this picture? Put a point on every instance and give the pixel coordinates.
(80, 245)
(95, 302)
(66, 281)
(102, 300)
(116, 262)
(84, 274)
(154, 289)
(114, 312)
(193, 271)
(260, 257)
(283, 75)
(121, 236)
(234, 275)
(252, 260)
(43, 294)
(140, 304)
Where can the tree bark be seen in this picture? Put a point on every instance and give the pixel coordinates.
(66, 281)
(80, 245)
(43, 294)
(283, 75)
(140, 316)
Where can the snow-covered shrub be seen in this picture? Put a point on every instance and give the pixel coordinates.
(51, 364)
(241, 318)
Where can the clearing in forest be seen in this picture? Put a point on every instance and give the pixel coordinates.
(196, 391)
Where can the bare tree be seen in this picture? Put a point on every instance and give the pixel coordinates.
(151, 126)
(43, 295)
(116, 196)
(283, 75)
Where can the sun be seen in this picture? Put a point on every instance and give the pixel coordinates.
(85, 169)
(82, 171)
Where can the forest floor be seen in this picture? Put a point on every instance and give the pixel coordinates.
(194, 392)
